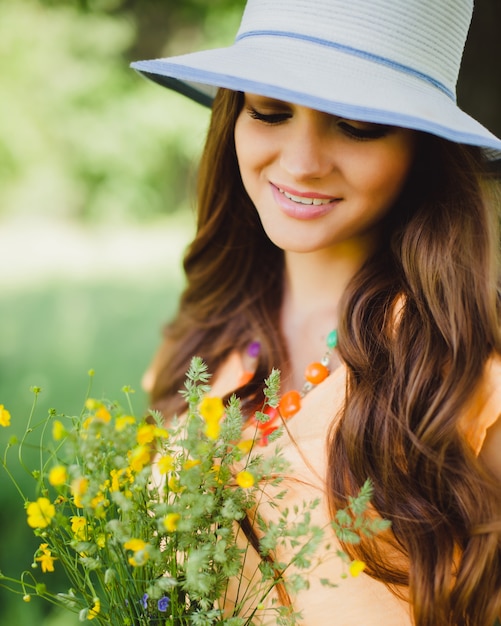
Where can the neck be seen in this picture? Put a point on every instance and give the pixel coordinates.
(315, 282)
(314, 285)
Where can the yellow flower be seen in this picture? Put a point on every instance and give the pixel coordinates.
(165, 464)
(191, 463)
(86, 424)
(161, 433)
(92, 404)
(4, 416)
(212, 430)
(58, 430)
(98, 503)
(138, 559)
(171, 521)
(96, 608)
(122, 421)
(245, 445)
(211, 409)
(101, 540)
(139, 547)
(356, 568)
(79, 527)
(173, 484)
(145, 434)
(46, 559)
(245, 479)
(103, 414)
(78, 489)
(58, 476)
(135, 545)
(139, 457)
(40, 513)
(26, 597)
(216, 469)
(148, 432)
(116, 475)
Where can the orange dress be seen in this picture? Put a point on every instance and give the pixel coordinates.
(360, 600)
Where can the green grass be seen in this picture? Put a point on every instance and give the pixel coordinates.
(51, 334)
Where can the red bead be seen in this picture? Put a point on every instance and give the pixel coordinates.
(263, 441)
(315, 373)
(290, 404)
(266, 427)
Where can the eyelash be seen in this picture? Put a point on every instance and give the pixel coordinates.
(364, 134)
(268, 118)
(358, 134)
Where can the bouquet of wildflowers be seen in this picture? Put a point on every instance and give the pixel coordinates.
(146, 522)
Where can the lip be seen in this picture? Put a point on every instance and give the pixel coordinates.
(303, 194)
(300, 211)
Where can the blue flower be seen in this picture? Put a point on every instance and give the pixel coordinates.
(163, 604)
(144, 601)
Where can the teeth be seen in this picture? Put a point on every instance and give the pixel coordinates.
(303, 200)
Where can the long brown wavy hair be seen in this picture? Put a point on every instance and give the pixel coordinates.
(418, 323)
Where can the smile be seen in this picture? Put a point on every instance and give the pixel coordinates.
(305, 199)
(303, 205)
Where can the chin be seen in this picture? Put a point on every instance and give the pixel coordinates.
(304, 246)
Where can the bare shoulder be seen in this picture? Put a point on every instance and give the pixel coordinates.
(491, 448)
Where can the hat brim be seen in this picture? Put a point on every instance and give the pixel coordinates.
(328, 80)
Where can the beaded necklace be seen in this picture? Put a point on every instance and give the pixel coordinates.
(290, 402)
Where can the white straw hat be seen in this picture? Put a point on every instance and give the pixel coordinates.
(388, 61)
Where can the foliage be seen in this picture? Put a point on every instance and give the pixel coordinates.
(82, 135)
(52, 332)
(145, 521)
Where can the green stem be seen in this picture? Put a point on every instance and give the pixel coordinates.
(36, 391)
(10, 475)
(129, 402)
(89, 389)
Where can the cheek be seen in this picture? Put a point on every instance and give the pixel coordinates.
(385, 176)
(255, 147)
(239, 141)
(245, 151)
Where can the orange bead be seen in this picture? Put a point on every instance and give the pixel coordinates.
(315, 373)
(245, 377)
(290, 403)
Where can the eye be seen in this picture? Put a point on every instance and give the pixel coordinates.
(268, 118)
(366, 132)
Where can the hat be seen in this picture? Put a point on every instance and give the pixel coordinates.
(385, 61)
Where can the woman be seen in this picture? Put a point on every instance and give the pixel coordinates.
(341, 188)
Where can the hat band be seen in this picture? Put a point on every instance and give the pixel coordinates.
(354, 52)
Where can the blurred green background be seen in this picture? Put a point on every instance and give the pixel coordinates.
(97, 171)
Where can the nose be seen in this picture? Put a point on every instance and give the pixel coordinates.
(307, 153)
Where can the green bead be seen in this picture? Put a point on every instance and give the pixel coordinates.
(332, 339)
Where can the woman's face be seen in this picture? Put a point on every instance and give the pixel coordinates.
(318, 180)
